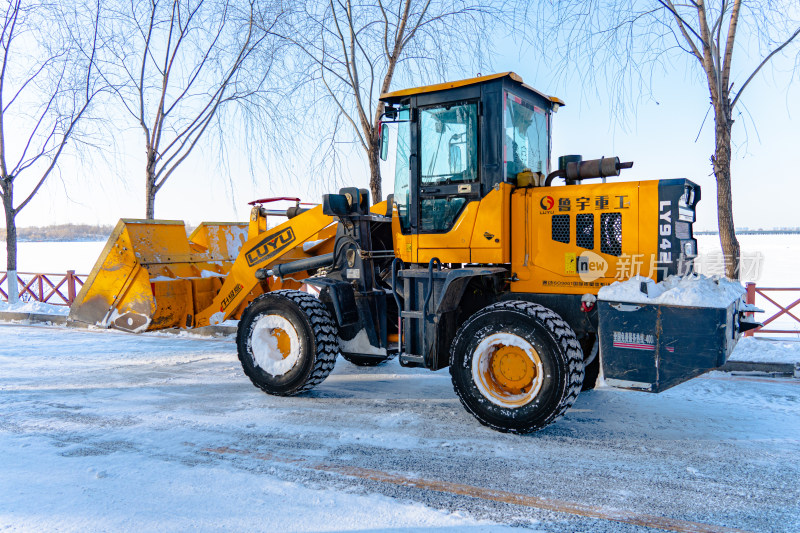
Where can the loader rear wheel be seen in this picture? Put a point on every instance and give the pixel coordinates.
(287, 342)
(516, 366)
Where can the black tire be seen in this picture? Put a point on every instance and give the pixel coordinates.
(362, 360)
(557, 375)
(315, 335)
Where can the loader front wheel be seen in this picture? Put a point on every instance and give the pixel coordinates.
(287, 342)
(516, 366)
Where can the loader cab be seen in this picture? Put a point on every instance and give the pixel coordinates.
(457, 144)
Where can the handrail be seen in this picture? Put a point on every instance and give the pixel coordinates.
(275, 199)
(35, 287)
(750, 298)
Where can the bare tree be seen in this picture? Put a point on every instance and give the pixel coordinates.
(350, 53)
(180, 63)
(48, 81)
(626, 41)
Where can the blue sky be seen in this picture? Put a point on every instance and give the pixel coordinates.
(659, 136)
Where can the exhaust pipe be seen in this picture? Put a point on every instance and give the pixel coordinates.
(572, 168)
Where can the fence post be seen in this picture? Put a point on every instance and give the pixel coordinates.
(70, 286)
(750, 299)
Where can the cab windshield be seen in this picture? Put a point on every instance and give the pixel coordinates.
(526, 136)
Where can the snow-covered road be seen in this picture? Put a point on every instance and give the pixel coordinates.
(109, 431)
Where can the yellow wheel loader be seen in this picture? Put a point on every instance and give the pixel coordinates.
(484, 260)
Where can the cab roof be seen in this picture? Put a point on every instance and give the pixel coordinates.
(396, 96)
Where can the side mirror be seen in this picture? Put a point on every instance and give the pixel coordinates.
(384, 142)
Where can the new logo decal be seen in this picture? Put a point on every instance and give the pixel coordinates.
(591, 266)
(588, 265)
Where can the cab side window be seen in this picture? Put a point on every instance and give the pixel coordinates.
(448, 156)
(449, 144)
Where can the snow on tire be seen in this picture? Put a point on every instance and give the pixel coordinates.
(287, 342)
(516, 366)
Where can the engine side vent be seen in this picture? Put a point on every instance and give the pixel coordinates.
(611, 233)
(584, 230)
(560, 230)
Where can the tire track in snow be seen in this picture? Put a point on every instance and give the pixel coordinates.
(547, 504)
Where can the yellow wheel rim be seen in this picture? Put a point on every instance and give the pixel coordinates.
(507, 370)
(283, 340)
(511, 370)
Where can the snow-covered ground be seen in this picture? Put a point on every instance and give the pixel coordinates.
(34, 307)
(758, 350)
(105, 431)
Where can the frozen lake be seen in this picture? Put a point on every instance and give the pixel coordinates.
(55, 257)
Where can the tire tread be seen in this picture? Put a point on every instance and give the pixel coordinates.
(563, 335)
(325, 336)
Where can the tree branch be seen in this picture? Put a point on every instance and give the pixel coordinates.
(764, 62)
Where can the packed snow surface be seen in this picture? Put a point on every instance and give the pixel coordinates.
(106, 431)
(687, 291)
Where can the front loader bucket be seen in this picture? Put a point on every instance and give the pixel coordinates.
(150, 275)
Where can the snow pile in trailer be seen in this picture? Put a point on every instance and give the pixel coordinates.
(686, 291)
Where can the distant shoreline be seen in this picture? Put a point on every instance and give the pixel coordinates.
(100, 238)
(62, 233)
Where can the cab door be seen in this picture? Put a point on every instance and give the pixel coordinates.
(448, 148)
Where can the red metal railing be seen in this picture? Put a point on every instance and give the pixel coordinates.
(786, 310)
(41, 287)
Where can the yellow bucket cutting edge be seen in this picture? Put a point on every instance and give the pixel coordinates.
(151, 276)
